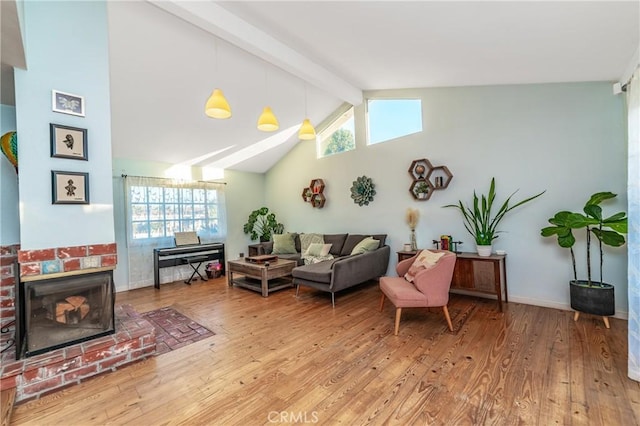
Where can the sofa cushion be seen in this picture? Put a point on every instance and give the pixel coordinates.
(307, 239)
(380, 237)
(319, 272)
(353, 240)
(318, 249)
(293, 256)
(284, 244)
(425, 260)
(367, 244)
(336, 241)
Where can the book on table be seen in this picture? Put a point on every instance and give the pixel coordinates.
(261, 258)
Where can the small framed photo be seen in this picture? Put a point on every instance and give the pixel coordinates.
(69, 187)
(67, 103)
(68, 142)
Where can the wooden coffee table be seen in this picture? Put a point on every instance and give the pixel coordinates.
(262, 277)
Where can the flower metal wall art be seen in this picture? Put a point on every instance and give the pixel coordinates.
(362, 191)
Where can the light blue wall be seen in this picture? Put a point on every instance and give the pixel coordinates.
(568, 139)
(9, 217)
(67, 50)
(244, 192)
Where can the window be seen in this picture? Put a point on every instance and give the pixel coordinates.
(339, 135)
(160, 207)
(392, 118)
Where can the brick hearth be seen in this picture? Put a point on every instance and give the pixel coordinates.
(33, 377)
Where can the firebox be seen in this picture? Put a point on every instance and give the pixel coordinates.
(62, 311)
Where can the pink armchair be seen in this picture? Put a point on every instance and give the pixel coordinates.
(430, 287)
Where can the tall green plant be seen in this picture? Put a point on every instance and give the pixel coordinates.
(593, 222)
(261, 224)
(479, 220)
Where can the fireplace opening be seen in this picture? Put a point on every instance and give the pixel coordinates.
(62, 311)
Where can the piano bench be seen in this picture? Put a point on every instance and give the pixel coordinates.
(191, 261)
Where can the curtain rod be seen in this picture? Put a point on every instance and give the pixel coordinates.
(159, 178)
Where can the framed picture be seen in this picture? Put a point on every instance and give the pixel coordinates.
(69, 187)
(68, 142)
(67, 103)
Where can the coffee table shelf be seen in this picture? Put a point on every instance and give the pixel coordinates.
(261, 277)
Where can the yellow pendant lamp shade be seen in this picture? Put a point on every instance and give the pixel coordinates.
(307, 132)
(217, 106)
(268, 121)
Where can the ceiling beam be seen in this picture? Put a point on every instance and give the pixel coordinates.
(218, 21)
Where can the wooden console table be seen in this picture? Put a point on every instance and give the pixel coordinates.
(480, 274)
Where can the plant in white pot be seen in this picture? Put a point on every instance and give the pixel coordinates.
(480, 221)
(588, 296)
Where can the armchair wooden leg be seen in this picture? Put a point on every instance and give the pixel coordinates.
(398, 313)
(446, 315)
(381, 302)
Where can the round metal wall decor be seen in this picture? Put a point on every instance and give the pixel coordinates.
(362, 191)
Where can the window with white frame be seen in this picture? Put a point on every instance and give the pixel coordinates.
(159, 207)
(339, 135)
(392, 118)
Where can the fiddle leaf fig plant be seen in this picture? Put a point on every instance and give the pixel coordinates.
(607, 230)
(261, 224)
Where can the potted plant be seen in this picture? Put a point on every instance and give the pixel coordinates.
(422, 189)
(261, 224)
(480, 221)
(588, 296)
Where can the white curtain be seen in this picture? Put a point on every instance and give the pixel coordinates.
(140, 250)
(633, 107)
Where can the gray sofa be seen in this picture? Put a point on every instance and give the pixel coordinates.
(341, 272)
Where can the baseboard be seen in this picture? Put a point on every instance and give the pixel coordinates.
(555, 305)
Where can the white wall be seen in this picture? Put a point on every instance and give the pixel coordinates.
(66, 46)
(567, 139)
(244, 192)
(9, 217)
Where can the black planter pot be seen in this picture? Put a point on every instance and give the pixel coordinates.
(596, 300)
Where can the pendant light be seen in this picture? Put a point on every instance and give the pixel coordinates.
(306, 132)
(217, 105)
(267, 122)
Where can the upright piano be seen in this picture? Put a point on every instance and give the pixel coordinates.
(176, 256)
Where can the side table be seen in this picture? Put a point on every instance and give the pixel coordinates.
(481, 274)
(404, 254)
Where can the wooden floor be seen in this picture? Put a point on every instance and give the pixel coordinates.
(295, 361)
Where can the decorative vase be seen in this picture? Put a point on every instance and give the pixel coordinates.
(414, 244)
(484, 251)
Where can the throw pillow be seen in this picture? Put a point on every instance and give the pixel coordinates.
(283, 244)
(368, 244)
(308, 239)
(425, 260)
(317, 249)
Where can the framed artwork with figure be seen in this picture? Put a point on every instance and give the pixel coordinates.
(68, 142)
(69, 187)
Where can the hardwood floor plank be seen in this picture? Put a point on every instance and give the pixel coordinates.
(291, 359)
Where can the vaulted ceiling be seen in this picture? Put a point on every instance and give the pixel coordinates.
(308, 57)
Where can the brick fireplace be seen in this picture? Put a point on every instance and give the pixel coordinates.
(64, 365)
